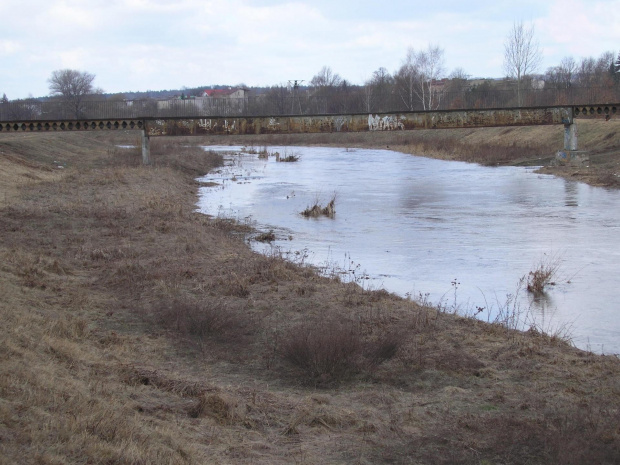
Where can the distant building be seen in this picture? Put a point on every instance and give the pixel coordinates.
(224, 93)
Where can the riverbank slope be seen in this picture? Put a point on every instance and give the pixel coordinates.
(138, 331)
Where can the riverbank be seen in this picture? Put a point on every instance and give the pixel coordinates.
(531, 146)
(138, 331)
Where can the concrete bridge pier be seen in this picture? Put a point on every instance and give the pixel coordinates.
(570, 137)
(570, 155)
(146, 148)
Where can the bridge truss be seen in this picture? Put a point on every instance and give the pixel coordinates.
(396, 121)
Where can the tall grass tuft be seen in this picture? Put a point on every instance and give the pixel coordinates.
(543, 275)
(317, 209)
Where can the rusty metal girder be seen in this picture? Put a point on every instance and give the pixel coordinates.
(396, 121)
(359, 123)
(607, 110)
(71, 125)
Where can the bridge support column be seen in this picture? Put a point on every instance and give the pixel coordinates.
(570, 155)
(146, 149)
(570, 137)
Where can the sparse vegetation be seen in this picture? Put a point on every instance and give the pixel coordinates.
(325, 352)
(543, 274)
(135, 330)
(287, 157)
(268, 236)
(316, 210)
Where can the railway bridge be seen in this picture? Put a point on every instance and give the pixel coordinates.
(391, 121)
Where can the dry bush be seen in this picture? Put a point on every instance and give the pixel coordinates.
(324, 353)
(543, 275)
(385, 347)
(317, 210)
(288, 158)
(200, 319)
(334, 350)
(268, 236)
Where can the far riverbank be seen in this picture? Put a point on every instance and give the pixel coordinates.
(531, 146)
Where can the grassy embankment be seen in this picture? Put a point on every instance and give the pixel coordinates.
(135, 330)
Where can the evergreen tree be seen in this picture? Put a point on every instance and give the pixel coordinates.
(4, 99)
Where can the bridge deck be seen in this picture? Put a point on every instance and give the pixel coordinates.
(445, 119)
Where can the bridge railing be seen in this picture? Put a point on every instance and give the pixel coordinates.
(300, 104)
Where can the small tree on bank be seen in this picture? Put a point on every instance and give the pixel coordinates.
(72, 86)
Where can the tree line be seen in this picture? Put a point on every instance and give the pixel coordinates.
(420, 83)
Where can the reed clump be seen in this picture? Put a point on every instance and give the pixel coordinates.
(543, 275)
(316, 210)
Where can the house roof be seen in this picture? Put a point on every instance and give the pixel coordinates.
(219, 92)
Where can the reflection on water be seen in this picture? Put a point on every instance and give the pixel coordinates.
(415, 224)
(572, 190)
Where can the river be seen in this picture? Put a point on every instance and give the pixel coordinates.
(453, 234)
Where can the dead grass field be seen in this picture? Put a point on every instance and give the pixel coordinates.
(136, 331)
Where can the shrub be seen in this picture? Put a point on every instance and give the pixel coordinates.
(317, 210)
(332, 351)
(266, 237)
(200, 320)
(324, 353)
(543, 275)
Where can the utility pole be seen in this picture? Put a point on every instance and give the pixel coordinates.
(293, 88)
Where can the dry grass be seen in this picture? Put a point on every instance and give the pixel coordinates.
(138, 331)
(543, 274)
(316, 210)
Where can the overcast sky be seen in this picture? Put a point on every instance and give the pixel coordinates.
(139, 45)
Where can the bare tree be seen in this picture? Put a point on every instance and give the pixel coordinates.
(563, 75)
(277, 100)
(418, 76)
(522, 55)
(327, 89)
(458, 80)
(596, 72)
(326, 78)
(407, 79)
(377, 91)
(72, 86)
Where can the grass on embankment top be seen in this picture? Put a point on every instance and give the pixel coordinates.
(138, 331)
